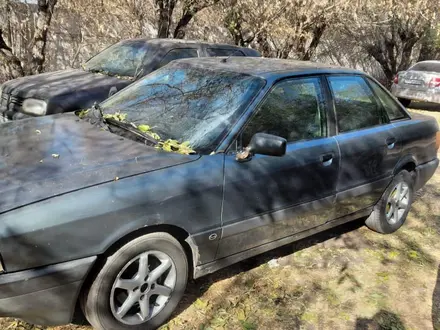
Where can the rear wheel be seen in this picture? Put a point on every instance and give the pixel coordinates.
(139, 286)
(391, 211)
(405, 102)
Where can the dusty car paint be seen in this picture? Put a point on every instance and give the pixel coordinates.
(73, 207)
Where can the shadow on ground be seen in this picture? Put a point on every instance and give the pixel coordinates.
(197, 288)
(383, 320)
(425, 106)
(436, 303)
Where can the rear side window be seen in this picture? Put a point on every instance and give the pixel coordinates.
(224, 52)
(178, 53)
(356, 106)
(426, 66)
(392, 109)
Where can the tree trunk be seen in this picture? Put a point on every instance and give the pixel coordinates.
(44, 18)
(317, 33)
(190, 9)
(165, 9)
(11, 63)
(179, 31)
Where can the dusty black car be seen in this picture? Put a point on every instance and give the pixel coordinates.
(102, 76)
(199, 165)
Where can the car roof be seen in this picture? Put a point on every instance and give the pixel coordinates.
(265, 67)
(171, 42)
(429, 61)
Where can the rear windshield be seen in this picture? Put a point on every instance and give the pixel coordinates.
(426, 66)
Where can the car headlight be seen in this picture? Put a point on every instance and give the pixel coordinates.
(34, 107)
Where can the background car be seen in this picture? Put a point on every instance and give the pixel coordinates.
(201, 164)
(421, 82)
(102, 76)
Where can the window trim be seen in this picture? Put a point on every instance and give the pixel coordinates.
(333, 101)
(406, 116)
(178, 48)
(325, 101)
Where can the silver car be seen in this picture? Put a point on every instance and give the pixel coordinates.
(421, 82)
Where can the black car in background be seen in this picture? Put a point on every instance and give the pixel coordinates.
(102, 76)
(201, 164)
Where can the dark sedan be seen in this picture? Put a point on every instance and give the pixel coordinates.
(199, 165)
(102, 76)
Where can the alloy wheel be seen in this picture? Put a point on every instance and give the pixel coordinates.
(143, 287)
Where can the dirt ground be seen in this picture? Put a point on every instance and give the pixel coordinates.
(345, 278)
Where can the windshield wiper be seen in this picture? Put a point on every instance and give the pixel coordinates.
(128, 127)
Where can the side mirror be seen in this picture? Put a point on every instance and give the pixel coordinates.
(263, 144)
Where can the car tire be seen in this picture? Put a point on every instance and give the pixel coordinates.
(151, 271)
(398, 195)
(405, 102)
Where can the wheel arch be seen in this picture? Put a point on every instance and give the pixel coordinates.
(407, 162)
(182, 236)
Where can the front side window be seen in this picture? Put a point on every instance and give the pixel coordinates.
(355, 104)
(178, 53)
(121, 59)
(224, 52)
(293, 109)
(391, 107)
(185, 103)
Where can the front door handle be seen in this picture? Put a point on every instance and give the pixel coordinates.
(327, 159)
(391, 142)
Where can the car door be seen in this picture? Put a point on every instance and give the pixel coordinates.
(269, 198)
(367, 141)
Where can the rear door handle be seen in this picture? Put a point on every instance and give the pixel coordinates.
(327, 159)
(391, 142)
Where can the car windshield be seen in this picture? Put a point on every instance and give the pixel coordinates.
(121, 59)
(185, 103)
(427, 66)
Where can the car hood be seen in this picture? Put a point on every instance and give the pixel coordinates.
(52, 155)
(48, 85)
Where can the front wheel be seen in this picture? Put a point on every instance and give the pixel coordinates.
(405, 102)
(139, 286)
(391, 210)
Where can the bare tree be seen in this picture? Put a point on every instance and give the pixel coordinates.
(281, 28)
(430, 45)
(190, 9)
(389, 30)
(165, 12)
(44, 18)
(13, 65)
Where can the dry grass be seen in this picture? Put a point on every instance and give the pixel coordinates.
(346, 278)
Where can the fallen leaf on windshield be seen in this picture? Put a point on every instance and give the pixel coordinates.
(119, 116)
(147, 130)
(175, 146)
(37, 131)
(56, 155)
